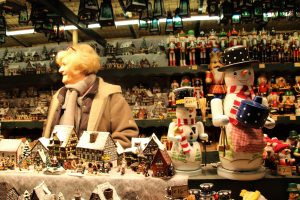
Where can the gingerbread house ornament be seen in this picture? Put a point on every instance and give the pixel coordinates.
(62, 142)
(96, 146)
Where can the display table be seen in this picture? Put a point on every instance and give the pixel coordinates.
(144, 187)
(272, 187)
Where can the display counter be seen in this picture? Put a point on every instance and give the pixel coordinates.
(126, 185)
(132, 184)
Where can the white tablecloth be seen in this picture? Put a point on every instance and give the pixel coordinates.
(145, 187)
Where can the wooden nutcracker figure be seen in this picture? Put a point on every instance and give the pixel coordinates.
(174, 85)
(198, 87)
(215, 79)
(223, 40)
(171, 50)
(273, 46)
(295, 44)
(192, 44)
(263, 46)
(286, 48)
(244, 38)
(212, 41)
(280, 47)
(181, 45)
(201, 45)
(233, 38)
(253, 47)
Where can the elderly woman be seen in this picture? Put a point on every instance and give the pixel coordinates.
(86, 101)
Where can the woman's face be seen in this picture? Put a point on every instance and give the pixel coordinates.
(71, 74)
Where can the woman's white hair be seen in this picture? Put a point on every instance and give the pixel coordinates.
(82, 57)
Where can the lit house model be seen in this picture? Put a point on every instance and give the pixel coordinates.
(96, 146)
(12, 149)
(63, 142)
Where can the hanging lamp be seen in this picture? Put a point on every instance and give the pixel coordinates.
(158, 9)
(154, 26)
(184, 8)
(169, 27)
(136, 5)
(23, 16)
(106, 17)
(213, 7)
(178, 24)
(88, 11)
(144, 16)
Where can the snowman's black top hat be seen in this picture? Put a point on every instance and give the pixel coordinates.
(236, 58)
(182, 92)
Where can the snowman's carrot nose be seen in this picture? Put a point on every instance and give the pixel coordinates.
(244, 72)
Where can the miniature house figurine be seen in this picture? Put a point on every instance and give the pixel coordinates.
(96, 146)
(240, 154)
(8, 192)
(42, 192)
(62, 142)
(161, 165)
(98, 192)
(11, 149)
(184, 133)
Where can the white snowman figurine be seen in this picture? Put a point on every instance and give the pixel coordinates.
(184, 132)
(240, 146)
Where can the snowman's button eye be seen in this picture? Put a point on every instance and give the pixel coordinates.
(249, 73)
(234, 73)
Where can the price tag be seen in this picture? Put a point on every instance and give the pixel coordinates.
(297, 64)
(293, 117)
(194, 67)
(180, 191)
(262, 65)
(190, 102)
(284, 170)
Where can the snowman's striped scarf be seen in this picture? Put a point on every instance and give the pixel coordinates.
(242, 92)
(184, 143)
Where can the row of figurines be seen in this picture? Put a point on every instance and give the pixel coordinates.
(190, 50)
(154, 103)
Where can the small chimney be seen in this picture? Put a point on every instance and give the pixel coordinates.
(93, 137)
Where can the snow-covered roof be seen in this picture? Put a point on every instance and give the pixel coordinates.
(42, 190)
(44, 141)
(63, 132)
(139, 141)
(10, 145)
(84, 141)
(158, 142)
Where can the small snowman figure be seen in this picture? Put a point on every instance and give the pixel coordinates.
(241, 145)
(184, 132)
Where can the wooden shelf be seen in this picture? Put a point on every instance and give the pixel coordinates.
(143, 123)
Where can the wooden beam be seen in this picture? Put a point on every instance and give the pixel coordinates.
(23, 43)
